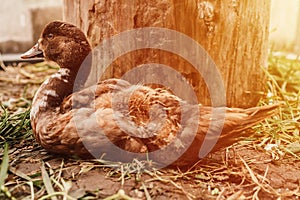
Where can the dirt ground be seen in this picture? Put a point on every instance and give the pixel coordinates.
(242, 171)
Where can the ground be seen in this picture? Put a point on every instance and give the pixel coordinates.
(261, 167)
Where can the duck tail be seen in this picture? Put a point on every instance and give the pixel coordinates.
(258, 114)
(238, 123)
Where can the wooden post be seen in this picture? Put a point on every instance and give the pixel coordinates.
(233, 32)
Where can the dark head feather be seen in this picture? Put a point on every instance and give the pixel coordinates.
(65, 44)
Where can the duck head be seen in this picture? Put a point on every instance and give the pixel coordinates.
(62, 43)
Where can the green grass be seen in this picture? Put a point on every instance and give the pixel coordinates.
(14, 127)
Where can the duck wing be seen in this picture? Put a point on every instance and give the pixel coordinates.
(122, 121)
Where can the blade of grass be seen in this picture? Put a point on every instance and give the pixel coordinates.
(148, 197)
(20, 174)
(4, 166)
(3, 173)
(30, 183)
(47, 182)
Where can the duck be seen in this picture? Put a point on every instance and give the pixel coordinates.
(119, 121)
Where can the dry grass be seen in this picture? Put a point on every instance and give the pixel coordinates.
(283, 86)
(244, 171)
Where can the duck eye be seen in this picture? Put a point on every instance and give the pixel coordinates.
(50, 36)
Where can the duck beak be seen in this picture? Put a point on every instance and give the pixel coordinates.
(34, 52)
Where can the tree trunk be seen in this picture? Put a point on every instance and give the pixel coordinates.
(233, 32)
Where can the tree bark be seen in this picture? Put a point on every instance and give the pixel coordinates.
(233, 32)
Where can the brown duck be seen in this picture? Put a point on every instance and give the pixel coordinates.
(115, 120)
